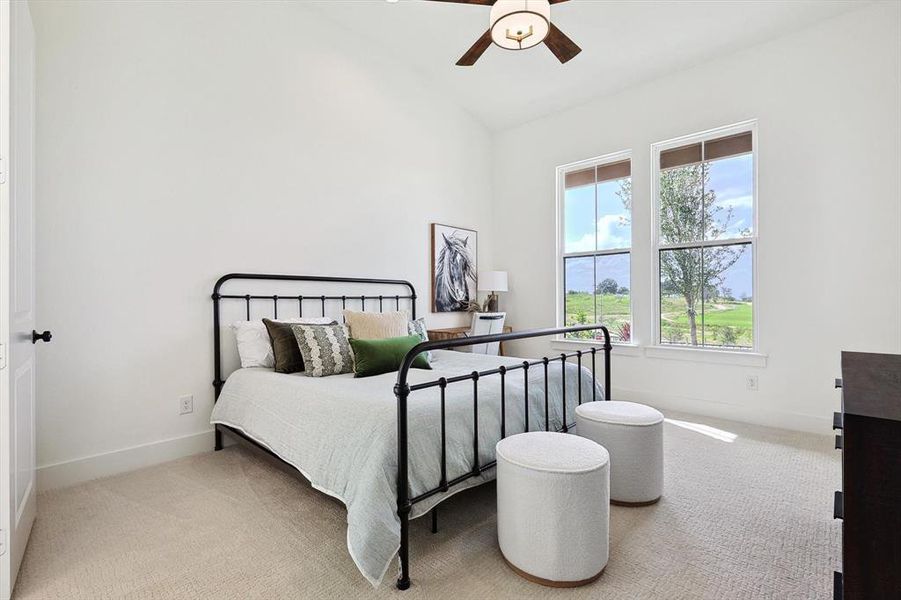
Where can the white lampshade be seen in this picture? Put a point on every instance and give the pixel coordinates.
(520, 24)
(493, 281)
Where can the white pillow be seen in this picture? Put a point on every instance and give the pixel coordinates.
(254, 345)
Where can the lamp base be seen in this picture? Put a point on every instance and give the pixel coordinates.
(491, 303)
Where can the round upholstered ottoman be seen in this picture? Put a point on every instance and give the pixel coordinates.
(552, 507)
(633, 435)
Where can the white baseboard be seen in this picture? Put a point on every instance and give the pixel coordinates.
(70, 472)
(755, 415)
(75, 471)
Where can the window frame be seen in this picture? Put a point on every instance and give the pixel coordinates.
(561, 255)
(749, 126)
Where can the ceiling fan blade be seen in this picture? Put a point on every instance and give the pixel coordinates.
(476, 51)
(563, 48)
(478, 2)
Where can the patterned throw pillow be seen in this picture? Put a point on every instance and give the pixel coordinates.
(417, 327)
(325, 349)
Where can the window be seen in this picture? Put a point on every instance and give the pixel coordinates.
(595, 245)
(705, 232)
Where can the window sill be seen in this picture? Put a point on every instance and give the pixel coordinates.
(619, 349)
(722, 357)
(701, 355)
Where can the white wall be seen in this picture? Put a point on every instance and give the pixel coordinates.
(827, 99)
(178, 142)
(169, 132)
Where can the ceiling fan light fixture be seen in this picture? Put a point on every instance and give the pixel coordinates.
(520, 24)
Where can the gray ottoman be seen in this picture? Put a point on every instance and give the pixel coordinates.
(633, 435)
(553, 513)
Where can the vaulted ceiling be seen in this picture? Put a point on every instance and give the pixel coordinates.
(624, 43)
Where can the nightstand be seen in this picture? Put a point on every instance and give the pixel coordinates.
(450, 333)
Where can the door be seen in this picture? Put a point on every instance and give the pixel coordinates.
(18, 504)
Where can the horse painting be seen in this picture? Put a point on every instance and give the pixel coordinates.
(454, 255)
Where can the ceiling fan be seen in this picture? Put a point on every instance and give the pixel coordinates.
(518, 25)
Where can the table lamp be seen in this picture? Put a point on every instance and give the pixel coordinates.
(492, 282)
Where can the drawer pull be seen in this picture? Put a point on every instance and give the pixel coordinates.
(837, 420)
(837, 507)
(839, 442)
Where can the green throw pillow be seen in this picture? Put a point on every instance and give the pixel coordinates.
(374, 357)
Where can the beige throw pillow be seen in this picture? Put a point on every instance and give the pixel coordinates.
(376, 326)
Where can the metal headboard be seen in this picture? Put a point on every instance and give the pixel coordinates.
(300, 301)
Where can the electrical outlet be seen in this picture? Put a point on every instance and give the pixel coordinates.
(751, 383)
(186, 405)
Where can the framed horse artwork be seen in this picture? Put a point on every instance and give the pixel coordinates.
(455, 255)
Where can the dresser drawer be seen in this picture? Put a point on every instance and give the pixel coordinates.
(869, 434)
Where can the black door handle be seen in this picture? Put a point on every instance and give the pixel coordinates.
(44, 337)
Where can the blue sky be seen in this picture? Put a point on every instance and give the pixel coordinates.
(613, 220)
(580, 275)
(732, 181)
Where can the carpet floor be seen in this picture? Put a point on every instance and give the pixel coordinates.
(746, 513)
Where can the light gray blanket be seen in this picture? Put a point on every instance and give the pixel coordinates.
(341, 434)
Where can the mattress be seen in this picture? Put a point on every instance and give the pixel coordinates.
(340, 432)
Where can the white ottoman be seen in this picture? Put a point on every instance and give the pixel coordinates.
(553, 515)
(633, 435)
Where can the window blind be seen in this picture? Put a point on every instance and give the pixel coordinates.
(609, 172)
(723, 147)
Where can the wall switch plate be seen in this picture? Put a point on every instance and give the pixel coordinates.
(186, 405)
(752, 383)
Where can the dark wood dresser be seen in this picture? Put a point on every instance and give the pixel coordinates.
(869, 502)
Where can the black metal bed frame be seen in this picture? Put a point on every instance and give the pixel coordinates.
(403, 389)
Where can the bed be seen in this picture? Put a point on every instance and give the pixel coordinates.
(392, 447)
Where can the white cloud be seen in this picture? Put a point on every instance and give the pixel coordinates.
(611, 233)
(583, 244)
(746, 201)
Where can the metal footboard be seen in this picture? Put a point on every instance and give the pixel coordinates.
(403, 389)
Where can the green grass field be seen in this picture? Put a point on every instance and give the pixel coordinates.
(615, 310)
(724, 323)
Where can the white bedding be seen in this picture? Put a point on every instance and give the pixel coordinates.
(341, 433)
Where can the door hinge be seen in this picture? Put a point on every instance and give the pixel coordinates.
(2, 170)
(2, 542)
(2, 356)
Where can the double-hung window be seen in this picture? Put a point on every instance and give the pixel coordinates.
(705, 233)
(595, 245)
